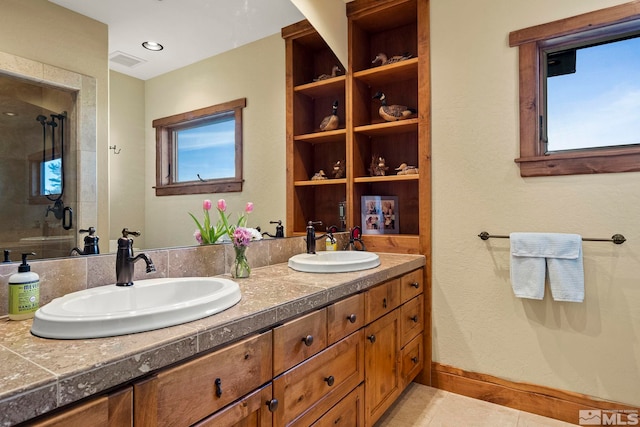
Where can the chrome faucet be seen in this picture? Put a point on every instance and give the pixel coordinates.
(125, 261)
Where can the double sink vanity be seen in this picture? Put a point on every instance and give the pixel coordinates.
(283, 347)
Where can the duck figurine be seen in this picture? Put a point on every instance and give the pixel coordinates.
(392, 113)
(334, 72)
(378, 166)
(338, 169)
(384, 60)
(404, 169)
(332, 121)
(318, 176)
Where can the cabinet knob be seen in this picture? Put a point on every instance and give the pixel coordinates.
(414, 360)
(414, 318)
(415, 285)
(372, 338)
(352, 318)
(384, 303)
(330, 380)
(308, 340)
(272, 405)
(218, 383)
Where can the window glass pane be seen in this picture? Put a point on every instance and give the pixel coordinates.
(51, 177)
(599, 104)
(207, 151)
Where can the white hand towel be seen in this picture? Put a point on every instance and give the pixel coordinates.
(560, 253)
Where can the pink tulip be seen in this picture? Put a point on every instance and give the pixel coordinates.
(222, 205)
(198, 236)
(249, 208)
(206, 205)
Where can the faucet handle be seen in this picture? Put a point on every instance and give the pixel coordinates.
(127, 233)
(312, 223)
(90, 230)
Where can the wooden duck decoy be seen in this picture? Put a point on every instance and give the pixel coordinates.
(318, 176)
(332, 121)
(334, 72)
(384, 60)
(391, 113)
(339, 169)
(378, 166)
(404, 169)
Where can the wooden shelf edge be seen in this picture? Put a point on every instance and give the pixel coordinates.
(337, 82)
(310, 183)
(408, 125)
(405, 68)
(319, 137)
(387, 178)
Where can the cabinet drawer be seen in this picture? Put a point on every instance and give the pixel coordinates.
(382, 300)
(190, 392)
(349, 412)
(252, 410)
(411, 285)
(411, 319)
(345, 317)
(295, 341)
(312, 388)
(412, 360)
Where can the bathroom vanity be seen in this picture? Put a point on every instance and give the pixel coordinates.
(299, 349)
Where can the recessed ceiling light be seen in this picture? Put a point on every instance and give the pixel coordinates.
(152, 46)
(9, 113)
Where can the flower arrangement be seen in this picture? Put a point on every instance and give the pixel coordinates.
(208, 233)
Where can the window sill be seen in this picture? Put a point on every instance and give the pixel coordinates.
(217, 186)
(575, 163)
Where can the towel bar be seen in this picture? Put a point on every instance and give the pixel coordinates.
(618, 239)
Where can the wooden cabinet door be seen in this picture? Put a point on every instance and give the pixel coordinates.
(411, 319)
(251, 411)
(298, 340)
(345, 317)
(382, 353)
(349, 412)
(192, 391)
(381, 300)
(115, 410)
(411, 361)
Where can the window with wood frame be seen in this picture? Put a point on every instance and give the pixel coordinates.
(200, 151)
(550, 50)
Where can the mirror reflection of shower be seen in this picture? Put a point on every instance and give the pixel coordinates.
(38, 168)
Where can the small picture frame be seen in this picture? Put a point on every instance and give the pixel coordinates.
(380, 215)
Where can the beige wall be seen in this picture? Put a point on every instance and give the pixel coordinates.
(256, 72)
(479, 325)
(44, 32)
(126, 169)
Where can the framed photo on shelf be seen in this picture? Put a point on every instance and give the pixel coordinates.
(380, 215)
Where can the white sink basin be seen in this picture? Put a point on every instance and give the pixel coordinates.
(149, 304)
(334, 261)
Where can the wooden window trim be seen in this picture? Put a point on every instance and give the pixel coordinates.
(533, 161)
(164, 152)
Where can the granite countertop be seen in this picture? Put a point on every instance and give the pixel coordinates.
(38, 375)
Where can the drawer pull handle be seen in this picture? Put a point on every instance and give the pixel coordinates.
(415, 285)
(414, 318)
(308, 340)
(272, 405)
(372, 338)
(352, 318)
(414, 360)
(330, 380)
(218, 383)
(384, 303)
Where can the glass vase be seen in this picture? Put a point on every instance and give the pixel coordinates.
(240, 267)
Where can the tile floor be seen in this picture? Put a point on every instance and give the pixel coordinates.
(422, 406)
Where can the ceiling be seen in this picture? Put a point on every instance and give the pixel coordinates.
(189, 30)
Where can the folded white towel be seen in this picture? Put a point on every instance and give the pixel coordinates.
(561, 254)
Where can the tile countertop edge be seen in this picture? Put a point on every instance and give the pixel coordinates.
(74, 386)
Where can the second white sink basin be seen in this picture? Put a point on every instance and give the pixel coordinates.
(334, 261)
(149, 304)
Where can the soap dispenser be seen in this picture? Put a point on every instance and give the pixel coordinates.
(24, 291)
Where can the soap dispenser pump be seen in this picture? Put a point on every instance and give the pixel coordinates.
(24, 291)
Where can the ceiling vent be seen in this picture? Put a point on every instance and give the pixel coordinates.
(125, 59)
